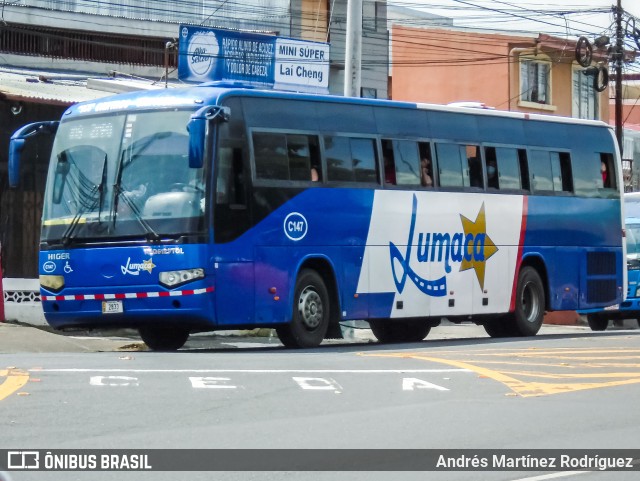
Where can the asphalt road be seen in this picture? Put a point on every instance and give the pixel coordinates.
(566, 388)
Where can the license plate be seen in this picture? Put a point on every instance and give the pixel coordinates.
(615, 307)
(112, 307)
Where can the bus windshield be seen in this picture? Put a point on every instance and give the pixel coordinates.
(123, 175)
(633, 240)
(632, 205)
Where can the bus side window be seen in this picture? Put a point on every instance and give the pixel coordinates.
(504, 168)
(315, 174)
(540, 169)
(230, 189)
(474, 162)
(491, 161)
(427, 170)
(449, 165)
(337, 151)
(561, 172)
(270, 151)
(524, 169)
(608, 171)
(403, 163)
(408, 164)
(299, 155)
(388, 162)
(363, 154)
(351, 159)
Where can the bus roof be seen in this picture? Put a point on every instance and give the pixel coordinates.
(213, 93)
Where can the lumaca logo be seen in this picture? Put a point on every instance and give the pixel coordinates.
(135, 268)
(470, 248)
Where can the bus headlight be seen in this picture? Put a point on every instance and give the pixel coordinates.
(52, 283)
(176, 278)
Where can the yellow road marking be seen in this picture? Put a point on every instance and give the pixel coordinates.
(565, 381)
(609, 375)
(14, 379)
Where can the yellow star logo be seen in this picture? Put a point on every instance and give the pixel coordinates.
(148, 265)
(478, 245)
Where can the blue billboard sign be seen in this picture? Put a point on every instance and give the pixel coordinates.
(207, 54)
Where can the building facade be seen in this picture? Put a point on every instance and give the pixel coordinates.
(536, 74)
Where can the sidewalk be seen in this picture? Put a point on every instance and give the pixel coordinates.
(15, 338)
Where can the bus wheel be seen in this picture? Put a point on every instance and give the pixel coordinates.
(310, 313)
(530, 303)
(389, 330)
(597, 322)
(502, 327)
(164, 338)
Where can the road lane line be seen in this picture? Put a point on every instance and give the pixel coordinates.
(631, 377)
(263, 371)
(14, 379)
(524, 383)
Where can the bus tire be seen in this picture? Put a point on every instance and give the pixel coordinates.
(389, 330)
(597, 322)
(502, 327)
(530, 303)
(160, 338)
(310, 317)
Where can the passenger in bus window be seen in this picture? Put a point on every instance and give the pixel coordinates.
(605, 174)
(315, 173)
(475, 172)
(426, 178)
(389, 170)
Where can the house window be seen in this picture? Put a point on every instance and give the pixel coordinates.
(370, 16)
(585, 97)
(368, 93)
(535, 81)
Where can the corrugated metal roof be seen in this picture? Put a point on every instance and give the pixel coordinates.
(60, 88)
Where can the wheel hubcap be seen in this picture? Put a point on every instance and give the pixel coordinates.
(310, 308)
(530, 302)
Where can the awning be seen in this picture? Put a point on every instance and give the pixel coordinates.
(62, 88)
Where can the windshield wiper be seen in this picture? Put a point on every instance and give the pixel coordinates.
(67, 235)
(84, 207)
(119, 192)
(103, 180)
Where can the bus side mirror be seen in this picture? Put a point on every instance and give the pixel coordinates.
(197, 128)
(15, 152)
(18, 140)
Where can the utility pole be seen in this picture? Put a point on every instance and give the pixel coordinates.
(619, 57)
(353, 49)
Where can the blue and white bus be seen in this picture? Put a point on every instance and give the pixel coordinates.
(218, 207)
(598, 319)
